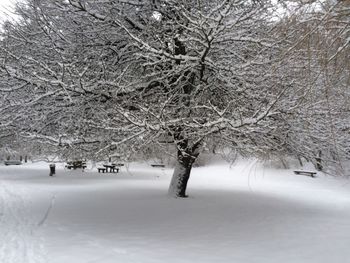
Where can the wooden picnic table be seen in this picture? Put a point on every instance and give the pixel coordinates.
(112, 168)
(76, 164)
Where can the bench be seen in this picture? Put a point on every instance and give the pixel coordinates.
(307, 173)
(13, 162)
(157, 165)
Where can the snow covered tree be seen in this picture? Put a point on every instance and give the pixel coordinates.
(195, 69)
(319, 129)
(114, 76)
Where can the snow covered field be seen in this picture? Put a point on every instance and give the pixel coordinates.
(243, 213)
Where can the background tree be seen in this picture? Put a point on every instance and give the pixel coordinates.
(319, 129)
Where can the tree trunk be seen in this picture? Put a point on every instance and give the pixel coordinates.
(180, 177)
(319, 166)
(300, 161)
(284, 163)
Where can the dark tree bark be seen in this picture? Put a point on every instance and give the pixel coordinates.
(300, 161)
(319, 166)
(186, 156)
(181, 175)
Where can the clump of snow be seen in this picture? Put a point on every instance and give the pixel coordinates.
(245, 212)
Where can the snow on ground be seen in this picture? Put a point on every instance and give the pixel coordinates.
(243, 213)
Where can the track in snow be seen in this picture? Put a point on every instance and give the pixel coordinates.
(19, 240)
